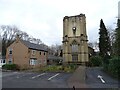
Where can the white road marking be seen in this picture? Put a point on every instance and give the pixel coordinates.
(15, 72)
(53, 76)
(38, 75)
(99, 76)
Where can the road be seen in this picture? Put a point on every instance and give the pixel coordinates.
(0, 79)
(56, 80)
(93, 81)
(34, 80)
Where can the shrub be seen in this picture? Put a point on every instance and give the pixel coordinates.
(59, 68)
(10, 67)
(95, 61)
(73, 66)
(114, 66)
(70, 67)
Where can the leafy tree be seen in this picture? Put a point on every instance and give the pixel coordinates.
(104, 42)
(117, 39)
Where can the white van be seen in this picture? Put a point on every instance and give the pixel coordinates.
(2, 62)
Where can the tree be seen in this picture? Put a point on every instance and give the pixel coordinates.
(104, 42)
(8, 34)
(111, 34)
(94, 45)
(117, 39)
(55, 50)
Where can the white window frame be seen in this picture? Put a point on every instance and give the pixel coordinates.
(33, 62)
(9, 61)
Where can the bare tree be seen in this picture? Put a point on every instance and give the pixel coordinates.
(91, 44)
(8, 34)
(55, 50)
(111, 34)
(94, 45)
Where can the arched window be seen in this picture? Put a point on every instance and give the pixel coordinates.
(74, 46)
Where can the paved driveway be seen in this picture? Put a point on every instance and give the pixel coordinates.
(93, 81)
(34, 80)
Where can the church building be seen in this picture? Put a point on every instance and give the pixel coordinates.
(75, 46)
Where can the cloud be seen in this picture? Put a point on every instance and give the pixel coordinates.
(44, 19)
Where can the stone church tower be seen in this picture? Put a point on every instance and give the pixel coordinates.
(75, 47)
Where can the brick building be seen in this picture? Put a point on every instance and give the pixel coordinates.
(26, 54)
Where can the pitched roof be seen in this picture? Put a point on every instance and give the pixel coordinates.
(34, 46)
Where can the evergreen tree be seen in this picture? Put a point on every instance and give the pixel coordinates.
(117, 39)
(104, 42)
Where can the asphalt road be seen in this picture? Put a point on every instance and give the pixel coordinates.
(0, 79)
(34, 80)
(56, 80)
(93, 81)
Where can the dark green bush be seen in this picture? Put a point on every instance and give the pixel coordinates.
(95, 61)
(105, 66)
(10, 67)
(114, 66)
(73, 66)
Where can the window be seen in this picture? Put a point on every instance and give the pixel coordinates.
(75, 57)
(39, 61)
(74, 30)
(40, 53)
(74, 48)
(3, 60)
(10, 61)
(44, 61)
(33, 61)
(33, 52)
(10, 51)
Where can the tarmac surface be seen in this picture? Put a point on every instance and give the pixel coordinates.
(83, 77)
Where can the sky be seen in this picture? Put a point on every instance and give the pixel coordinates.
(43, 19)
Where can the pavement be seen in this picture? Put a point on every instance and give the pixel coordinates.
(35, 80)
(78, 78)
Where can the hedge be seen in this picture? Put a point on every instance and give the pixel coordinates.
(114, 66)
(95, 61)
(10, 67)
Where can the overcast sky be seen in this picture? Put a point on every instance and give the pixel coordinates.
(44, 18)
